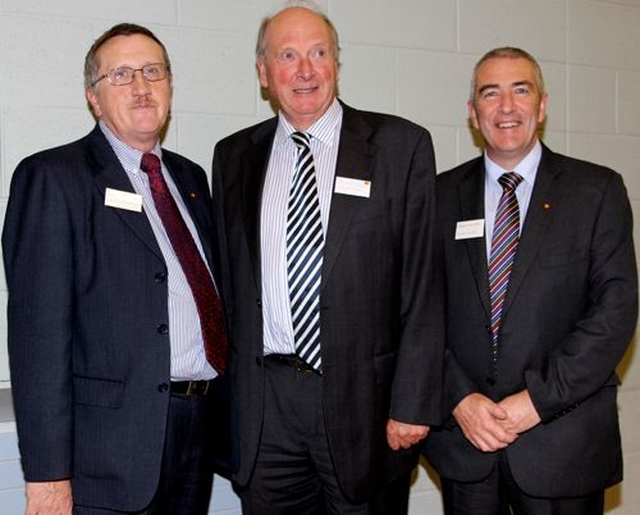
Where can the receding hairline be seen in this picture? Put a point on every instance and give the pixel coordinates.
(261, 45)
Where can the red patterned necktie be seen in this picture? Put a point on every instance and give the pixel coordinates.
(204, 293)
(504, 244)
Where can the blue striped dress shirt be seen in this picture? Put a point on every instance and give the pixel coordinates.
(528, 169)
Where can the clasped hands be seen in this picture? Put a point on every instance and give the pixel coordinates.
(491, 426)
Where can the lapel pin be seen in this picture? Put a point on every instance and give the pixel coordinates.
(192, 194)
(546, 206)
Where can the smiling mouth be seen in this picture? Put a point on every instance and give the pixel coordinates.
(508, 125)
(305, 90)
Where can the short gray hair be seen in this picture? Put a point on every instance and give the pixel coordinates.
(507, 52)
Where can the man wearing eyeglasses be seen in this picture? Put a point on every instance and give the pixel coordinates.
(116, 335)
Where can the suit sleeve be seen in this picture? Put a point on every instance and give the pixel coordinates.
(586, 359)
(417, 386)
(37, 244)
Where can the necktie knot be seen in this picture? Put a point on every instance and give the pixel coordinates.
(301, 139)
(150, 163)
(510, 180)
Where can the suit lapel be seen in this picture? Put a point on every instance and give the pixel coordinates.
(471, 197)
(538, 218)
(355, 158)
(109, 174)
(254, 164)
(199, 209)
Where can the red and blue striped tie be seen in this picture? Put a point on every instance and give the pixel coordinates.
(504, 244)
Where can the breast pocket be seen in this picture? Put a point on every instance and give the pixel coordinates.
(570, 257)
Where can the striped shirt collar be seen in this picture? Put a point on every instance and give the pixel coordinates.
(129, 157)
(527, 168)
(324, 129)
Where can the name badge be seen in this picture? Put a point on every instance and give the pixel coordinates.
(469, 229)
(354, 187)
(123, 200)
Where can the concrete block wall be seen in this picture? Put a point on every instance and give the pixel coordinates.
(409, 57)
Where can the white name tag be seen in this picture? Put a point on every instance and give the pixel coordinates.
(123, 200)
(470, 229)
(355, 187)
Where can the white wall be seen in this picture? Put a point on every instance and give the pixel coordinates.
(410, 57)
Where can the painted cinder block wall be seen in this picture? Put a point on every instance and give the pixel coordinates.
(409, 57)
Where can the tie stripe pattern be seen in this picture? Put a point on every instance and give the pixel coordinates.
(304, 248)
(504, 244)
(198, 277)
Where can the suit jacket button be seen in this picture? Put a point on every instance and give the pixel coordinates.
(490, 381)
(488, 329)
(160, 277)
(163, 329)
(258, 361)
(163, 387)
(259, 303)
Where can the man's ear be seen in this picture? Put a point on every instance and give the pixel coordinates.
(473, 115)
(93, 102)
(262, 73)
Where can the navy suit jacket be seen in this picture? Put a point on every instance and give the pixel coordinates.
(381, 347)
(569, 314)
(88, 321)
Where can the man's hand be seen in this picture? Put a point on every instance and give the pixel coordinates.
(403, 436)
(521, 414)
(482, 422)
(49, 498)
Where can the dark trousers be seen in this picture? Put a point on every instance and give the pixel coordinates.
(498, 494)
(186, 476)
(294, 471)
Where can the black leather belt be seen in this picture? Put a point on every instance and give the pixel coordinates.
(292, 360)
(191, 388)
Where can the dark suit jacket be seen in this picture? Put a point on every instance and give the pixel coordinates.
(382, 356)
(569, 315)
(88, 339)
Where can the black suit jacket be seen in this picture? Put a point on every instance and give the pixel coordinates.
(381, 351)
(569, 314)
(88, 351)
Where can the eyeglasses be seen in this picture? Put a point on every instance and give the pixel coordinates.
(122, 76)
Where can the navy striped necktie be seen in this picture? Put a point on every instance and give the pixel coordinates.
(304, 247)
